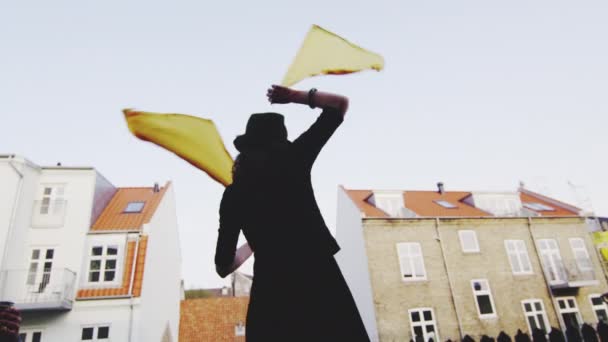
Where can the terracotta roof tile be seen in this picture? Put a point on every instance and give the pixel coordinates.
(123, 289)
(561, 209)
(113, 216)
(360, 197)
(423, 204)
(212, 319)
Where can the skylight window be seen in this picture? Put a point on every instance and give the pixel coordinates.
(446, 204)
(134, 207)
(538, 206)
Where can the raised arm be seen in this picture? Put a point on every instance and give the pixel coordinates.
(310, 143)
(313, 98)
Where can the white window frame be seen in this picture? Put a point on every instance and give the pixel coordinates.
(239, 329)
(473, 234)
(595, 307)
(561, 311)
(96, 331)
(556, 264)
(29, 332)
(534, 313)
(482, 292)
(41, 274)
(104, 258)
(581, 249)
(422, 323)
(410, 256)
(56, 196)
(519, 252)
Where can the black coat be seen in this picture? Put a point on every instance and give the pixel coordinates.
(298, 291)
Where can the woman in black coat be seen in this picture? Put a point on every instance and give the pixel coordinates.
(298, 291)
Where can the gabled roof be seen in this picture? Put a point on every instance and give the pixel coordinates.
(212, 319)
(113, 216)
(424, 204)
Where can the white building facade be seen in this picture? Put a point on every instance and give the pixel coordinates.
(84, 260)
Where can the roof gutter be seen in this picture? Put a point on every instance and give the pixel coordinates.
(133, 266)
(13, 218)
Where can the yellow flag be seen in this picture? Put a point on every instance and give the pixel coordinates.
(194, 139)
(325, 53)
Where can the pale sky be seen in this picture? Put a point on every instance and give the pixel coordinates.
(477, 94)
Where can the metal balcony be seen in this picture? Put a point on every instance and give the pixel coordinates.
(50, 291)
(571, 274)
(49, 214)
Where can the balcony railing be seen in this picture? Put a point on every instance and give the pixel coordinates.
(571, 274)
(29, 291)
(49, 214)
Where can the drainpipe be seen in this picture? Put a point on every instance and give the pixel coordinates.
(542, 266)
(133, 265)
(445, 265)
(13, 218)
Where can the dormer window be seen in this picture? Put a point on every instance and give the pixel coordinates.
(391, 202)
(446, 204)
(538, 206)
(134, 207)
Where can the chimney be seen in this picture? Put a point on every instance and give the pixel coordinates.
(156, 187)
(58, 163)
(440, 188)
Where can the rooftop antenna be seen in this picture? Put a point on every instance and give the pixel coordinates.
(582, 199)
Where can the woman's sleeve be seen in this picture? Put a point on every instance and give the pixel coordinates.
(228, 232)
(309, 144)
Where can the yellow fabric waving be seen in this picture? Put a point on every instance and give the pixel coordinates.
(194, 139)
(325, 53)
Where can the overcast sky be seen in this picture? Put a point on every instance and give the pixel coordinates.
(477, 94)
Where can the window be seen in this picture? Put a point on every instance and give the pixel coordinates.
(446, 204)
(483, 298)
(580, 254)
(599, 308)
(239, 329)
(538, 206)
(468, 241)
(518, 256)
(423, 324)
(52, 200)
(568, 312)
(134, 207)
(552, 261)
(39, 272)
(103, 264)
(95, 333)
(536, 317)
(30, 335)
(411, 261)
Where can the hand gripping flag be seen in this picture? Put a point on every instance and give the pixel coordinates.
(194, 139)
(325, 53)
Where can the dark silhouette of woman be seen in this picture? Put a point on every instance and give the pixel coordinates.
(298, 291)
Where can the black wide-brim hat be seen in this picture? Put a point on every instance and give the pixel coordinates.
(264, 130)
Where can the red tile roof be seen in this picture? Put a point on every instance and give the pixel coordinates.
(561, 208)
(113, 216)
(423, 204)
(212, 319)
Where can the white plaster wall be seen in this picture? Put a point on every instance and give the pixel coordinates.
(69, 239)
(161, 288)
(352, 259)
(61, 327)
